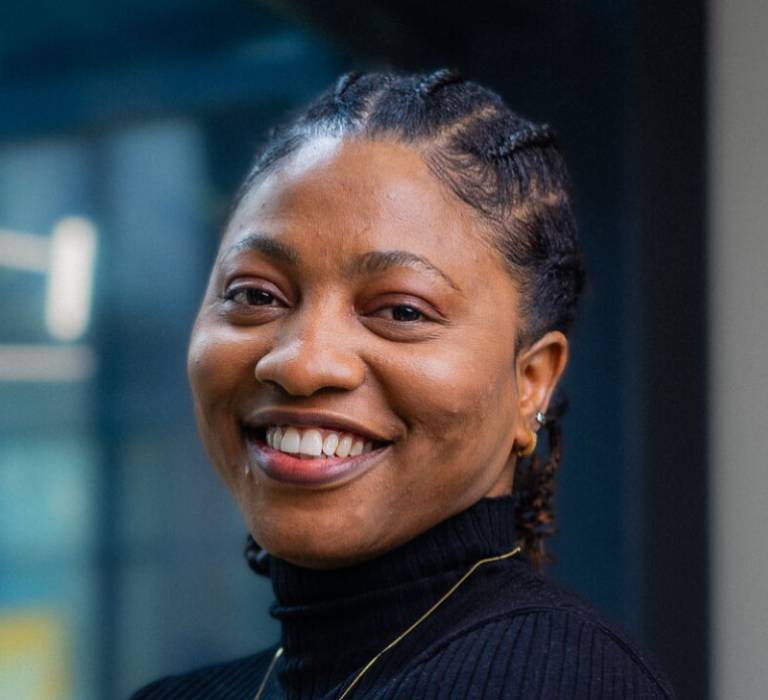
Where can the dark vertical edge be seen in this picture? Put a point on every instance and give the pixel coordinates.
(634, 341)
(667, 138)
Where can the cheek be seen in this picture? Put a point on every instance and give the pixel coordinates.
(219, 360)
(458, 394)
(220, 367)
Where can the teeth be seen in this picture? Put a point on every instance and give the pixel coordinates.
(291, 441)
(274, 436)
(330, 444)
(310, 443)
(344, 446)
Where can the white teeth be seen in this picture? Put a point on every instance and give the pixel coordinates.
(344, 446)
(274, 436)
(291, 441)
(330, 443)
(311, 443)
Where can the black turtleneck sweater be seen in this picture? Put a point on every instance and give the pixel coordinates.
(505, 633)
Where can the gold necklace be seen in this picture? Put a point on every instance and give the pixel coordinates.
(404, 634)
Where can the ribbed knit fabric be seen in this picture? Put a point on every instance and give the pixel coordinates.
(506, 632)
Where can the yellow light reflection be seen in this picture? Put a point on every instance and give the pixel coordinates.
(33, 659)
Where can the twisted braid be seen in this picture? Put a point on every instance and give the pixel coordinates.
(526, 137)
(344, 83)
(431, 83)
(534, 489)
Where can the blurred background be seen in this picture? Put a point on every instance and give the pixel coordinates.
(125, 128)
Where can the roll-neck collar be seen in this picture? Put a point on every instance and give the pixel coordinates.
(352, 612)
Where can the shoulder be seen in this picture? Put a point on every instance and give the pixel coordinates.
(539, 641)
(539, 654)
(232, 680)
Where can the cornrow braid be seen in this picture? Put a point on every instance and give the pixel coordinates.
(526, 137)
(344, 82)
(511, 171)
(435, 81)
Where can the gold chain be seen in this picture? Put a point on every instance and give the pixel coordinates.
(404, 634)
(272, 663)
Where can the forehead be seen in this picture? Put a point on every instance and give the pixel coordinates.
(356, 195)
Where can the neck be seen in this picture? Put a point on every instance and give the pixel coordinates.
(333, 621)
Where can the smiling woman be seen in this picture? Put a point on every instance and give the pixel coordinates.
(383, 332)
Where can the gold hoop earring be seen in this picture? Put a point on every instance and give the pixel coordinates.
(530, 448)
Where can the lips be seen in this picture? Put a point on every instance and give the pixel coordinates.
(308, 471)
(288, 466)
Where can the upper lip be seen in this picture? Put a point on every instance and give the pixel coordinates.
(320, 419)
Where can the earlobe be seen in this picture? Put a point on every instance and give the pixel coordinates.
(530, 448)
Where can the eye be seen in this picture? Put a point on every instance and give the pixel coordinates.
(249, 296)
(405, 322)
(401, 313)
(404, 312)
(252, 300)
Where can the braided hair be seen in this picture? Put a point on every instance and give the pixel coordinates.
(512, 172)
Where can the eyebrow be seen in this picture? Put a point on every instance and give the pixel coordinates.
(383, 260)
(268, 247)
(372, 262)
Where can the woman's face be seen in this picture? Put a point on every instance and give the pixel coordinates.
(354, 300)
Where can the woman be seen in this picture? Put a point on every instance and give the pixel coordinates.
(382, 336)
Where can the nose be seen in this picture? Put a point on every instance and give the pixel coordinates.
(312, 351)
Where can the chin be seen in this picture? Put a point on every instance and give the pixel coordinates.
(324, 554)
(317, 547)
(319, 529)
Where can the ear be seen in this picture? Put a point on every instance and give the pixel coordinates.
(538, 368)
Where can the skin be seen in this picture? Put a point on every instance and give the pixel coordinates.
(444, 385)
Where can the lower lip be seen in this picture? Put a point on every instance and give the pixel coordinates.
(320, 471)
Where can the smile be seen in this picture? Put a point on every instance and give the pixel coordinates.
(314, 442)
(311, 456)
